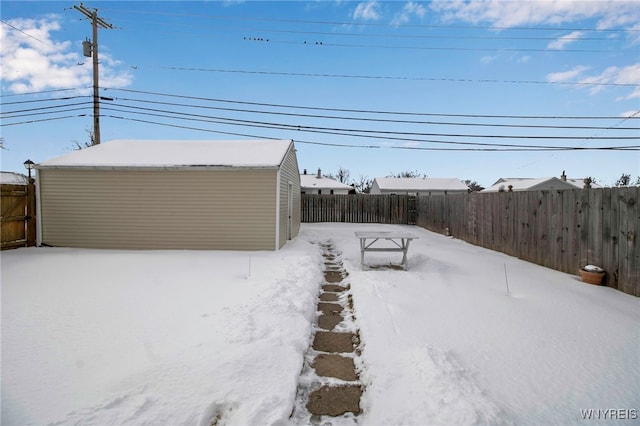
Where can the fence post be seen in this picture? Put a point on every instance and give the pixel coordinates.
(31, 213)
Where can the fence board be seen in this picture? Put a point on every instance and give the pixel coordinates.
(571, 211)
(595, 227)
(545, 216)
(554, 230)
(608, 241)
(629, 215)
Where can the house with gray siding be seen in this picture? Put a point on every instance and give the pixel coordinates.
(171, 194)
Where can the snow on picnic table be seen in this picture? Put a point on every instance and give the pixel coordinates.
(183, 337)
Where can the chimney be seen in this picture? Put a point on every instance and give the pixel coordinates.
(305, 171)
(319, 173)
(563, 176)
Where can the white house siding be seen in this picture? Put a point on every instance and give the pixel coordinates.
(289, 173)
(219, 209)
(375, 188)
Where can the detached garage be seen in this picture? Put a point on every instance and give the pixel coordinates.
(157, 194)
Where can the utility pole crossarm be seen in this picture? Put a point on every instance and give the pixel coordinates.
(96, 22)
(93, 15)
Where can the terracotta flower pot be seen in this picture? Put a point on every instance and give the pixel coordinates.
(591, 277)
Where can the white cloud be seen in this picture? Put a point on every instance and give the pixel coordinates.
(611, 75)
(230, 3)
(488, 59)
(409, 10)
(566, 76)
(629, 75)
(367, 11)
(561, 42)
(610, 13)
(632, 113)
(524, 59)
(30, 60)
(607, 14)
(633, 34)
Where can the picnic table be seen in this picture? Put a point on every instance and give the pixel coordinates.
(400, 243)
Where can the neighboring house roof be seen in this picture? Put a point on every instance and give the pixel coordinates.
(12, 178)
(176, 153)
(579, 183)
(315, 182)
(532, 184)
(420, 185)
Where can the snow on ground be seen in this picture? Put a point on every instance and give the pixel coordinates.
(444, 343)
(154, 337)
(184, 337)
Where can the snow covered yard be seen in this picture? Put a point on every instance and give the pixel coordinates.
(183, 337)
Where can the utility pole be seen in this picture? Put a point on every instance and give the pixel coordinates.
(96, 22)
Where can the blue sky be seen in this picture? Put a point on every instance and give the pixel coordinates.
(474, 90)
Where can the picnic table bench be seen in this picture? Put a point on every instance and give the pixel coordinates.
(400, 243)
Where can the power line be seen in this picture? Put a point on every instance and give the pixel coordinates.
(377, 120)
(368, 35)
(351, 133)
(606, 148)
(42, 92)
(363, 111)
(27, 34)
(42, 113)
(380, 77)
(4, 113)
(299, 127)
(633, 148)
(336, 117)
(44, 100)
(441, 48)
(43, 119)
(395, 35)
(362, 35)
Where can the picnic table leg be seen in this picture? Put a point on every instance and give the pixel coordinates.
(362, 244)
(405, 249)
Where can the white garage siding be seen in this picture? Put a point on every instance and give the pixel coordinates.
(217, 209)
(289, 174)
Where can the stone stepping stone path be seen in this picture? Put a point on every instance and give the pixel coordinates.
(329, 383)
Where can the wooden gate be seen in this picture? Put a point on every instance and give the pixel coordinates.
(18, 220)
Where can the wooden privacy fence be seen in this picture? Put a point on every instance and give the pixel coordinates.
(18, 223)
(563, 230)
(394, 209)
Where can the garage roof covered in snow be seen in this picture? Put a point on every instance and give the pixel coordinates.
(177, 153)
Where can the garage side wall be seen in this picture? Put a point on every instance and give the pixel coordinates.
(289, 172)
(158, 209)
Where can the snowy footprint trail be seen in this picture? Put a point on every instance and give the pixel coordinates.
(330, 387)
